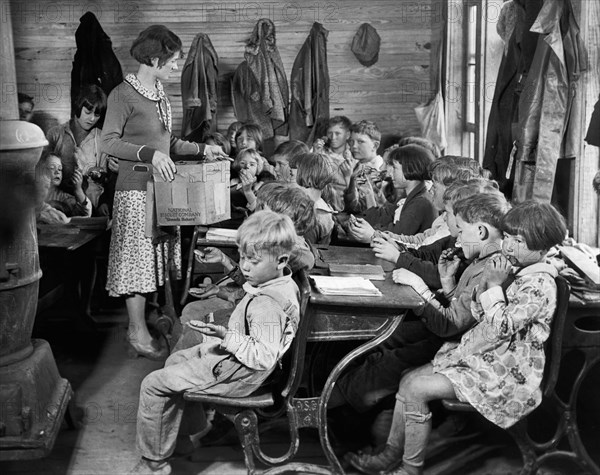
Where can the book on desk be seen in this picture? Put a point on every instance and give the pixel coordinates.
(367, 271)
(351, 286)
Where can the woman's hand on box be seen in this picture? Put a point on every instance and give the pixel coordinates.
(215, 152)
(164, 165)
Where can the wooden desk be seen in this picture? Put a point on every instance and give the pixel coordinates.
(66, 255)
(337, 318)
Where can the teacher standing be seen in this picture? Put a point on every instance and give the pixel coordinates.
(137, 131)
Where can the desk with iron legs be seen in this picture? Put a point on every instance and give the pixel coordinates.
(343, 318)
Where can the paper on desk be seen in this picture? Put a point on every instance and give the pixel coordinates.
(352, 286)
(221, 234)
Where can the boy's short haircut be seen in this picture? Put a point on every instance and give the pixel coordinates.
(290, 149)
(220, 140)
(91, 97)
(248, 152)
(314, 171)
(482, 208)
(288, 199)
(367, 127)
(415, 161)
(444, 170)
(340, 120)
(423, 142)
(460, 189)
(266, 232)
(540, 224)
(253, 131)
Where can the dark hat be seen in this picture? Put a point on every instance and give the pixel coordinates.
(365, 45)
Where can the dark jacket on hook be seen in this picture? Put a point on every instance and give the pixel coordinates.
(199, 81)
(309, 108)
(260, 91)
(548, 106)
(94, 62)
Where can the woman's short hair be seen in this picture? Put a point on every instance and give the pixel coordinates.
(487, 208)
(291, 200)
(367, 127)
(91, 97)
(423, 142)
(220, 140)
(248, 153)
(156, 41)
(415, 161)
(266, 231)
(540, 224)
(253, 131)
(314, 171)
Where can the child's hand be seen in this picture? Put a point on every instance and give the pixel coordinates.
(406, 277)
(209, 329)
(209, 255)
(247, 179)
(77, 178)
(448, 263)
(385, 249)
(204, 291)
(79, 156)
(319, 145)
(496, 270)
(360, 230)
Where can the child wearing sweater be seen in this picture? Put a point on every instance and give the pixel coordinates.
(498, 365)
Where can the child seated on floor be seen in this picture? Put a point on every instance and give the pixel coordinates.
(249, 166)
(77, 204)
(285, 153)
(233, 360)
(314, 176)
(416, 341)
(336, 149)
(498, 365)
(408, 166)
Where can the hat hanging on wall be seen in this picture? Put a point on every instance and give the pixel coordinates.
(365, 45)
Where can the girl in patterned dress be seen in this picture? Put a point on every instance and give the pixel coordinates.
(137, 131)
(498, 364)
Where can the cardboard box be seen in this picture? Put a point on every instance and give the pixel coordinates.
(199, 194)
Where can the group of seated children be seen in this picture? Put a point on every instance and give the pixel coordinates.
(477, 265)
(73, 171)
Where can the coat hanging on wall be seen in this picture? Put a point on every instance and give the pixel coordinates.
(199, 89)
(94, 62)
(259, 88)
(548, 106)
(309, 108)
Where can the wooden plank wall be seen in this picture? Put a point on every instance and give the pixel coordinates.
(386, 92)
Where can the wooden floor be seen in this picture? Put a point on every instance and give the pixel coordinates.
(106, 385)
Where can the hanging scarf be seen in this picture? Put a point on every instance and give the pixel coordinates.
(163, 106)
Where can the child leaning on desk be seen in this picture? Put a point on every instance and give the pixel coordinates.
(416, 342)
(232, 360)
(498, 365)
